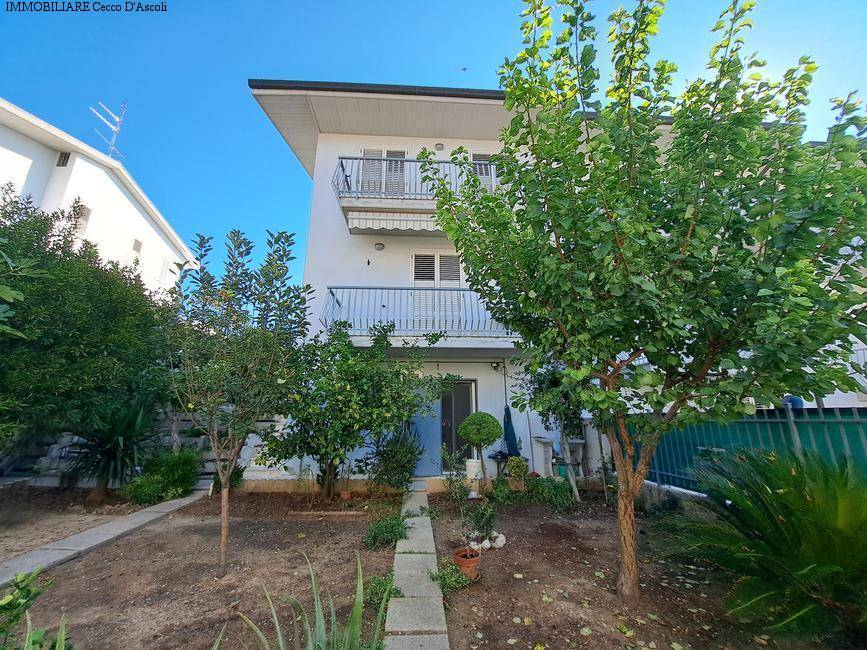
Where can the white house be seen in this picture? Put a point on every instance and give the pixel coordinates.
(374, 253)
(55, 169)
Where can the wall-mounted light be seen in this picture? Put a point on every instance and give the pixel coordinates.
(495, 366)
(439, 146)
(379, 246)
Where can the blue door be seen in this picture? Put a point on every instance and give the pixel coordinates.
(429, 430)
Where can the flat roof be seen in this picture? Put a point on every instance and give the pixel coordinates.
(379, 89)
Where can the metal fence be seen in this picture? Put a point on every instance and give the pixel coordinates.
(400, 178)
(414, 311)
(832, 433)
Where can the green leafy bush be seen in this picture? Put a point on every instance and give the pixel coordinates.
(550, 492)
(319, 635)
(376, 588)
(795, 533)
(384, 532)
(501, 493)
(394, 457)
(169, 475)
(449, 577)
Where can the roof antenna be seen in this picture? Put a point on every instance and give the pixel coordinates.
(113, 125)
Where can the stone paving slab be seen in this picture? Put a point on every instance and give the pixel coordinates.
(419, 545)
(419, 527)
(41, 557)
(413, 586)
(414, 503)
(63, 550)
(84, 541)
(416, 615)
(417, 642)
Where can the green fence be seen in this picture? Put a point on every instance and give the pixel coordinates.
(833, 433)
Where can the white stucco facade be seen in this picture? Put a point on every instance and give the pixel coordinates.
(55, 170)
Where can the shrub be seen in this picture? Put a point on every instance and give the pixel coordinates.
(319, 635)
(116, 450)
(517, 467)
(550, 492)
(480, 430)
(166, 476)
(795, 533)
(449, 577)
(384, 532)
(376, 588)
(501, 493)
(394, 457)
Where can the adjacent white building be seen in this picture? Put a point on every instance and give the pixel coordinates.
(374, 252)
(55, 169)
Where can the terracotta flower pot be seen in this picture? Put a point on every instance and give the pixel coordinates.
(345, 495)
(468, 560)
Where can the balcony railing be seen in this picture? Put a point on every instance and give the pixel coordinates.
(414, 311)
(400, 178)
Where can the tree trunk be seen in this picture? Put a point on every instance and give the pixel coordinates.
(99, 493)
(484, 486)
(627, 581)
(570, 471)
(328, 479)
(224, 525)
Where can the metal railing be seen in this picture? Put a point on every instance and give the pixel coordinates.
(831, 433)
(415, 311)
(400, 178)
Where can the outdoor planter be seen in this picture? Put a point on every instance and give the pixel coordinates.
(468, 560)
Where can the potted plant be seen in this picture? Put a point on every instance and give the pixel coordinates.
(481, 430)
(518, 469)
(468, 558)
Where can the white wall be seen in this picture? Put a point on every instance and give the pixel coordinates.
(337, 257)
(116, 218)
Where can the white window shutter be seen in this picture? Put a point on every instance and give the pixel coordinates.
(424, 270)
(371, 171)
(450, 271)
(395, 172)
(482, 169)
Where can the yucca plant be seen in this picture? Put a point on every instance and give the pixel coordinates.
(115, 451)
(794, 531)
(319, 635)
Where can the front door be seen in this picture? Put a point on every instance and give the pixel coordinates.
(456, 404)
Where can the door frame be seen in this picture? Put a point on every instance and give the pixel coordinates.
(474, 406)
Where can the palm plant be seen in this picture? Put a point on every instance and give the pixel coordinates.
(794, 531)
(320, 636)
(114, 451)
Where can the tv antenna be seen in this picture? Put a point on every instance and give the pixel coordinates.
(114, 123)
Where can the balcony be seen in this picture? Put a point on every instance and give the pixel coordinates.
(414, 311)
(389, 196)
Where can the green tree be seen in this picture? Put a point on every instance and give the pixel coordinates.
(678, 254)
(89, 332)
(348, 396)
(233, 347)
(480, 430)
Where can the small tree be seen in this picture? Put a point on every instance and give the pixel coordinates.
(480, 430)
(677, 254)
(234, 346)
(347, 395)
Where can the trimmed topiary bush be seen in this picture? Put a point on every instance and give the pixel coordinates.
(480, 430)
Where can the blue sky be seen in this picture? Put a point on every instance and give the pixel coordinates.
(204, 152)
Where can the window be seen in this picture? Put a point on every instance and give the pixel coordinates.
(395, 170)
(63, 159)
(432, 308)
(136, 248)
(482, 169)
(436, 270)
(83, 220)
